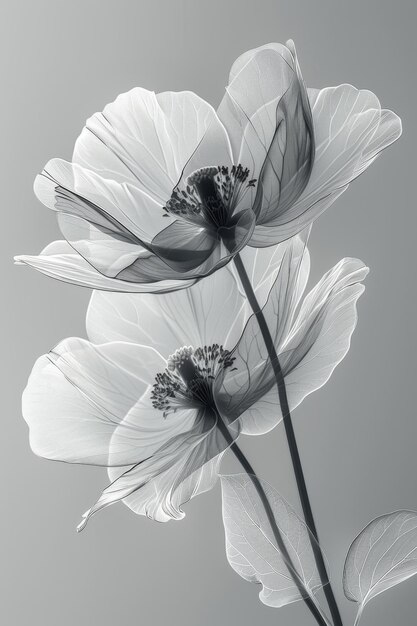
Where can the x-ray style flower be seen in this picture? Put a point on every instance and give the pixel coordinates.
(163, 190)
(167, 383)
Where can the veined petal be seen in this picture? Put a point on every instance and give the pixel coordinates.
(150, 268)
(350, 130)
(144, 429)
(91, 219)
(182, 468)
(267, 114)
(207, 313)
(289, 287)
(78, 394)
(252, 376)
(317, 343)
(145, 139)
(258, 77)
(320, 337)
(159, 501)
(313, 344)
(59, 260)
(118, 208)
(232, 239)
(262, 266)
(184, 246)
(213, 149)
(106, 251)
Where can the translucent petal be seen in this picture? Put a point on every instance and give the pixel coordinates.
(159, 501)
(145, 139)
(350, 130)
(91, 219)
(252, 376)
(214, 149)
(207, 313)
(59, 260)
(95, 215)
(78, 394)
(183, 246)
(258, 77)
(149, 487)
(106, 251)
(262, 266)
(318, 342)
(144, 430)
(267, 114)
(117, 258)
(119, 208)
(314, 343)
(233, 239)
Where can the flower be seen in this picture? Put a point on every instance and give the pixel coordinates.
(170, 382)
(163, 190)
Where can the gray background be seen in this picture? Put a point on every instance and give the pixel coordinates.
(61, 61)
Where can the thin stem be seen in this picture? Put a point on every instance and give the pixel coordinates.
(292, 443)
(309, 599)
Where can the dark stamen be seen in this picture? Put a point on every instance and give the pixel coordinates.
(188, 379)
(211, 195)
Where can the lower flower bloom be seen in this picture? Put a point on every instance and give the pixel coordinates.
(166, 384)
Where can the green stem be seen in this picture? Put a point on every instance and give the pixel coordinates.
(292, 443)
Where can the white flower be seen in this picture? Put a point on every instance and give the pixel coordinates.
(171, 381)
(163, 190)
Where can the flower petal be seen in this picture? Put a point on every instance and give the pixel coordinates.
(182, 468)
(267, 114)
(317, 343)
(213, 150)
(258, 77)
(107, 252)
(148, 268)
(262, 266)
(350, 130)
(144, 429)
(98, 216)
(252, 376)
(145, 139)
(207, 313)
(184, 246)
(91, 219)
(159, 500)
(78, 394)
(118, 208)
(60, 261)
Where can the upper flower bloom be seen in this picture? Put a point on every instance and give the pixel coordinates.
(170, 382)
(162, 190)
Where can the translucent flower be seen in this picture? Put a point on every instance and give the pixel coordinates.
(170, 382)
(163, 190)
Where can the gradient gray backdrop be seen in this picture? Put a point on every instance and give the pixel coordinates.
(63, 60)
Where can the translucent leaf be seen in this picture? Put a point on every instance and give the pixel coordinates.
(251, 546)
(382, 556)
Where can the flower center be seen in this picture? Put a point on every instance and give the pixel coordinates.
(187, 381)
(210, 194)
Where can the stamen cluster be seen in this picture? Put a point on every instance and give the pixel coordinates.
(188, 378)
(211, 194)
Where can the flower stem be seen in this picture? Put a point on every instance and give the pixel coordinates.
(309, 599)
(292, 443)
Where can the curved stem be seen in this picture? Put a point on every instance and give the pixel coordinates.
(309, 599)
(292, 443)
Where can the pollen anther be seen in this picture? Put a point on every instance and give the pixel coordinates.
(187, 380)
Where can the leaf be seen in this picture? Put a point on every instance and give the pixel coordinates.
(382, 556)
(252, 549)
